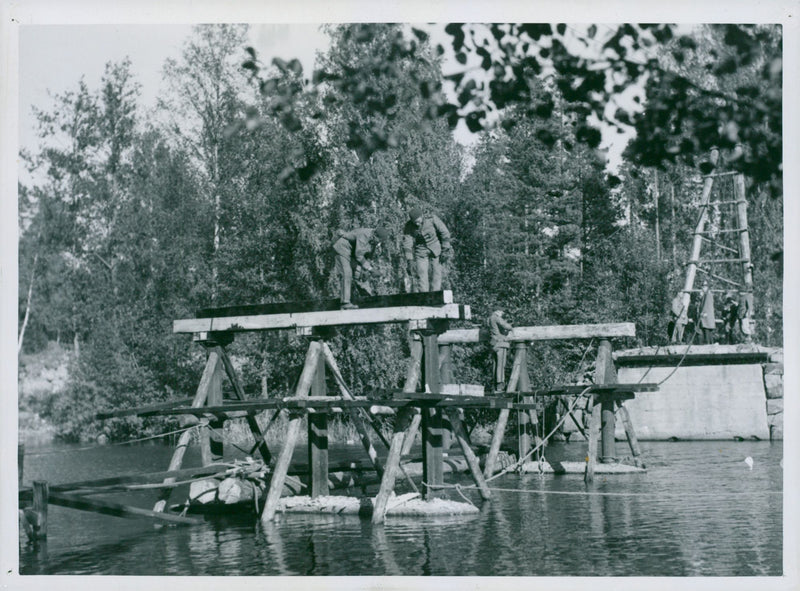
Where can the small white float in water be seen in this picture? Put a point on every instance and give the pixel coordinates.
(749, 461)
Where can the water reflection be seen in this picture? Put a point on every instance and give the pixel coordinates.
(680, 518)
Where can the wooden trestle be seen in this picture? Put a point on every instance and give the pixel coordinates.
(420, 404)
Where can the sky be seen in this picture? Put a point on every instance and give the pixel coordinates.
(53, 58)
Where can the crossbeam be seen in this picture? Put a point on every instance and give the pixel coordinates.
(542, 333)
(429, 298)
(326, 318)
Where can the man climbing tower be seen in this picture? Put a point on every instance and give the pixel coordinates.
(426, 244)
(352, 249)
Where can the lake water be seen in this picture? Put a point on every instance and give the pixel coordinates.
(698, 511)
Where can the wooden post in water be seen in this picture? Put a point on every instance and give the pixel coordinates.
(318, 436)
(594, 435)
(211, 444)
(392, 465)
(412, 379)
(605, 374)
(523, 418)
(20, 463)
(446, 377)
(432, 439)
(199, 400)
(278, 476)
(502, 421)
(41, 492)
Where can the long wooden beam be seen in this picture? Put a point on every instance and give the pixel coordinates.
(542, 333)
(402, 400)
(429, 298)
(327, 318)
(117, 509)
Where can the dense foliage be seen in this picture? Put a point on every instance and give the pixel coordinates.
(233, 193)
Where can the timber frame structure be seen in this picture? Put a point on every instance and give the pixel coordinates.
(420, 406)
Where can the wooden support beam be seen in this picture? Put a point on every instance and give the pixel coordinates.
(542, 333)
(432, 429)
(315, 319)
(524, 385)
(252, 422)
(183, 442)
(278, 476)
(502, 421)
(363, 433)
(429, 298)
(472, 460)
(211, 443)
(633, 441)
(606, 374)
(318, 436)
(117, 509)
(147, 478)
(413, 371)
(392, 466)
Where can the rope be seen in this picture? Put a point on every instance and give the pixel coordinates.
(685, 353)
(542, 442)
(88, 447)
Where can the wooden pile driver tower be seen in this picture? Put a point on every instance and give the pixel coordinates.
(721, 244)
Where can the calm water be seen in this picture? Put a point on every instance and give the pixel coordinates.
(687, 516)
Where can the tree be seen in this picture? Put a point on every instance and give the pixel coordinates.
(207, 91)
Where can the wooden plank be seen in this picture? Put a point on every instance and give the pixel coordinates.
(692, 359)
(183, 442)
(147, 478)
(392, 467)
(138, 410)
(278, 476)
(430, 298)
(315, 319)
(41, 496)
(542, 333)
(117, 509)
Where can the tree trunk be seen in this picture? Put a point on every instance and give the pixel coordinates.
(27, 305)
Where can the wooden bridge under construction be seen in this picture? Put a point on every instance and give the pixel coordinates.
(429, 404)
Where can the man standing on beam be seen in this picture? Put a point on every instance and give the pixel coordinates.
(352, 249)
(499, 328)
(426, 244)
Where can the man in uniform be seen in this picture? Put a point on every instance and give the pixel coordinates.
(708, 319)
(499, 328)
(426, 244)
(352, 249)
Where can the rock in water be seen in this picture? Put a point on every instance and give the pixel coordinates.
(235, 490)
(203, 491)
